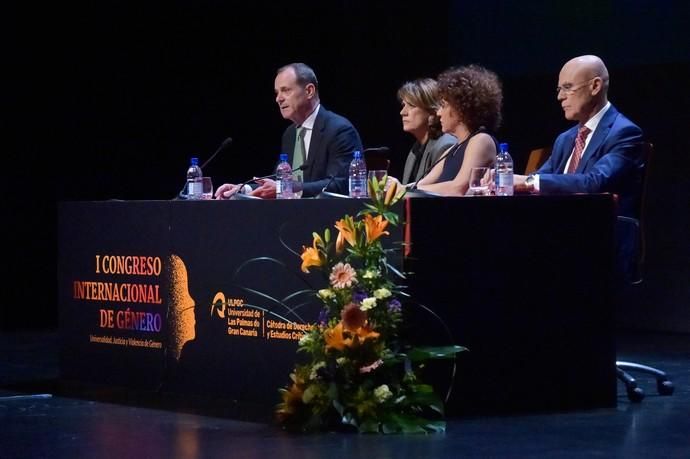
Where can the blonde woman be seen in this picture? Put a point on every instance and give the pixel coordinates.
(420, 101)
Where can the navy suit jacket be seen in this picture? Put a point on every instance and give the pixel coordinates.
(333, 140)
(611, 163)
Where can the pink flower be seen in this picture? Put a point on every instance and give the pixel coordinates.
(343, 276)
(372, 367)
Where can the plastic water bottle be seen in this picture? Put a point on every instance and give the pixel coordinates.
(357, 178)
(194, 175)
(504, 172)
(284, 178)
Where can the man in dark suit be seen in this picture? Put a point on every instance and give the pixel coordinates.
(602, 153)
(326, 142)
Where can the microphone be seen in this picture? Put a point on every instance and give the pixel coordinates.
(382, 150)
(430, 168)
(225, 144)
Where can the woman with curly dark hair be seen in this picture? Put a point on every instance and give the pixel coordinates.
(470, 109)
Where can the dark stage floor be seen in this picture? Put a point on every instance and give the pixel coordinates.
(35, 422)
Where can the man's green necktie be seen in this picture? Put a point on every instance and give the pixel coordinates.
(299, 155)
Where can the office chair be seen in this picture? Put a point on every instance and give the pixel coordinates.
(377, 158)
(635, 277)
(536, 158)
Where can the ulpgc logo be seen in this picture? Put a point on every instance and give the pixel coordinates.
(221, 305)
(242, 320)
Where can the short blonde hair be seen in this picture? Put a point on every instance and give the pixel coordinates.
(423, 93)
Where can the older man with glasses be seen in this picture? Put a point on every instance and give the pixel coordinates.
(602, 153)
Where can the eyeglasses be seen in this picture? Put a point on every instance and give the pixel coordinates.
(569, 88)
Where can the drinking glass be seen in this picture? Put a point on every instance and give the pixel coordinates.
(206, 188)
(479, 185)
(297, 184)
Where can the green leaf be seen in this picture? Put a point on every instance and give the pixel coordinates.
(391, 217)
(369, 207)
(425, 398)
(390, 427)
(420, 354)
(436, 426)
(398, 273)
(410, 424)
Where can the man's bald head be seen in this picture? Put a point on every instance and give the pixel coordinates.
(590, 66)
(583, 84)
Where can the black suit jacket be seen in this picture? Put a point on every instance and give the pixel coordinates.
(333, 140)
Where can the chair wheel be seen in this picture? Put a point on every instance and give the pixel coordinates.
(664, 387)
(635, 395)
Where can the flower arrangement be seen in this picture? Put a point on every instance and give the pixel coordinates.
(359, 374)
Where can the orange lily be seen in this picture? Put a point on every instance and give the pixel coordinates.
(354, 321)
(391, 193)
(366, 332)
(335, 339)
(346, 232)
(374, 227)
(310, 255)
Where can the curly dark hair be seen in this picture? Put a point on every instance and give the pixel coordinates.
(475, 93)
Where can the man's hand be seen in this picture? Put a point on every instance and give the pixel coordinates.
(226, 191)
(520, 186)
(266, 189)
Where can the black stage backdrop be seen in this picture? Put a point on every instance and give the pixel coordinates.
(109, 100)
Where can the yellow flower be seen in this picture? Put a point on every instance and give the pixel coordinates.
(382, 293)
(346, 232)
(326, 293)
(310, 255)
(314, 373)
(382, 393)
(370, 274)
(368, 303)
(374, 227)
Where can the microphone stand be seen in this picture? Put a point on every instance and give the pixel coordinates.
(426, 172)
(239, 194)
(328, 194)
(225, 144)
(448, 152)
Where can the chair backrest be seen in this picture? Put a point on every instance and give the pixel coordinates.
(647, 153)
(376, 162)
(634, 268)
(536, 159)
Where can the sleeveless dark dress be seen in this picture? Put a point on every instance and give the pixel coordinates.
(454, 159)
